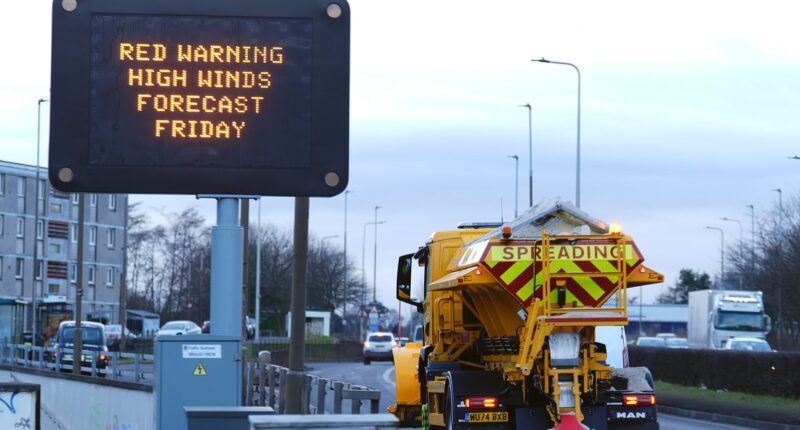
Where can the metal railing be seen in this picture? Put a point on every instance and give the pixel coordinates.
(117, 366)
(264, 382)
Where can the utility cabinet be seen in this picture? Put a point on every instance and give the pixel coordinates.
(195, 370)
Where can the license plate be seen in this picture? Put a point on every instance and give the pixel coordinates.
(379, 346)
(488, 417)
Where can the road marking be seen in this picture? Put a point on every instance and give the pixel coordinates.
(386, 376)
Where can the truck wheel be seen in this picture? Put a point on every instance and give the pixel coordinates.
(449, 408)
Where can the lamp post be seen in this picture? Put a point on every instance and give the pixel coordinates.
(530, 155)
(344, 261)
(257, 297)
(721, 253)
(375, 260)
(780, 267)
(741, 239)
(516, 183)
(36, 223)
(752, 241)
(363, 257)
(578, 154)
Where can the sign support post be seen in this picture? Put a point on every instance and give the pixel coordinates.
(226, 269)
(294, 380)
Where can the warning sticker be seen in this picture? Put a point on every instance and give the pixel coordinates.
(199, 370)
(202, 351)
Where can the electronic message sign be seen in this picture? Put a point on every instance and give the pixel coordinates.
(200, 96)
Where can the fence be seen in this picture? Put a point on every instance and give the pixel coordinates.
(111, 365)
(264, 382)
(322, 349)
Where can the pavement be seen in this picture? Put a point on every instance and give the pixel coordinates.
(380, 375)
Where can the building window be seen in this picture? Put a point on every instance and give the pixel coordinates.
(110, 277)
(73, 273)
(112, 202)
(39, 269)
(2, 184)
(90, 275)
(20, 268)
(92, 236)
(20, 227)
(55, 248)
(41, 190)
(112, 238)
(73, 233)
(75, 198)
(55, 208)
(20, 187)
(53, 289)
(40, 229)
(93, 199)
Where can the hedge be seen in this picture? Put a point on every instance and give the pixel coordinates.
(775, 374)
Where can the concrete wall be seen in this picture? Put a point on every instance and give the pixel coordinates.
(71, 404)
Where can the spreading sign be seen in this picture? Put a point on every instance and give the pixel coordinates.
(175, 96)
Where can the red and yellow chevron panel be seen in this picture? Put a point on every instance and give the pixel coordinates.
(517, 266)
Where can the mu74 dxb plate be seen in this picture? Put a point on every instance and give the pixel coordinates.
(200, 96)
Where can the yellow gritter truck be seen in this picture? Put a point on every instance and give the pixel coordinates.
(510, 314)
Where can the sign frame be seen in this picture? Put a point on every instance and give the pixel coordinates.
(70, 169)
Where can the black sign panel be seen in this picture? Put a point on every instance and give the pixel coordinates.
(211, 97)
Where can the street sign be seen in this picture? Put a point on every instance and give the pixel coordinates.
(200, 96)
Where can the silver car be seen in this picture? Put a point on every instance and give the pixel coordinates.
(378, 346)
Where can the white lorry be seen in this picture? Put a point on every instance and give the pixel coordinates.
(718, 315)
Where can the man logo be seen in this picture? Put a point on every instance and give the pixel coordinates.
(631, 415)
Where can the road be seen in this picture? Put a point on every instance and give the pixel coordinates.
(380, 375)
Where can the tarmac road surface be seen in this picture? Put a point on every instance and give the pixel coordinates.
(380, 375)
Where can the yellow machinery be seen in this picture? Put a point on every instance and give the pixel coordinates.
(510, 316)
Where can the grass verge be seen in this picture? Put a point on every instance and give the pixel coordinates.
(753, 406)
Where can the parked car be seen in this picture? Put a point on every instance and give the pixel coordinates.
(206, 328)
(652, 342)
(113, 334)
(177, 328)
(378, 346)
(677, 342)
(747, 344)
(93, 339)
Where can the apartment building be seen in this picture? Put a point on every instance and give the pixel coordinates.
(57, 235)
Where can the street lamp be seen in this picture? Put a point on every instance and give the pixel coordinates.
(780, 267)
(721, 253)
(530, 155)
(36, 223)
(516, 182)
(364, 254)
(344, 261)
(741, 239)
(578, 156)
(375, 260)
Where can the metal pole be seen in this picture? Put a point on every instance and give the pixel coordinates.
(257, 297)
(344, 262)
(741, 240)
(752, 242)
(226, 270)
(375, 260)
(295, 377)
(530, 156)
(36, 224)
(123, 285)
(578, 152)
(516, 183)
(245, 223)
(722, 254)
(780, 268)
(77, 349)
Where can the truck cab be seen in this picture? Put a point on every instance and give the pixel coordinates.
(718, 315)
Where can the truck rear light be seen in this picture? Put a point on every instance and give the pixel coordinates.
(639, 400)
(481, 402)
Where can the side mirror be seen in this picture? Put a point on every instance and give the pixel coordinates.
(768, 323)
(404, 265)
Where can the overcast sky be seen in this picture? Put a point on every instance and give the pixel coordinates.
(689, 111)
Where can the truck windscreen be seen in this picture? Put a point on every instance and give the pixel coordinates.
(739, 321)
